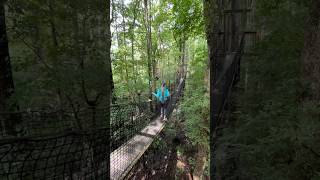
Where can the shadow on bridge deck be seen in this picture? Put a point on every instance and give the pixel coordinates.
(123, 158)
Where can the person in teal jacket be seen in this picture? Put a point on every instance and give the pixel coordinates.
(163, 95)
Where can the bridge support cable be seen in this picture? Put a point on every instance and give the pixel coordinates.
(227, 46)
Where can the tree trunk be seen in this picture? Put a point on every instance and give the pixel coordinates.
(132, 41)
(235, 24)
(113, 97)
(182, 54)
(6, 81)
(124, 44)
(148, 29)
(108, 60)
(109, 77)
(152, 49)
(311, 53)
(211, 16)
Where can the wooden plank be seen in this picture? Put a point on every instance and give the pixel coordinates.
(126, 156)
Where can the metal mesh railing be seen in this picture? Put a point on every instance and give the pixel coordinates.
(178, 91)
(76, 155)
(54, 145)
(128, 120)
(45, 122)
(51, 145)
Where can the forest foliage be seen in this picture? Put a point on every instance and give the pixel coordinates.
(59, 60)
(171, 23)
(177, 44)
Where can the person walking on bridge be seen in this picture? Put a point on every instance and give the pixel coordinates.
(163, 96)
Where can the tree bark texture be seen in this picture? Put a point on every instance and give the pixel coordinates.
(311, 53)
(149, 47)
(210, 15)
(6, 81)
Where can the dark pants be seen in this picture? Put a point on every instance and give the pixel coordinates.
(164, 108)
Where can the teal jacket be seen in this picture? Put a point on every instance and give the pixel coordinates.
(159, 96)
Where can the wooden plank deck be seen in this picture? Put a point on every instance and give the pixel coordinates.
(123, 158)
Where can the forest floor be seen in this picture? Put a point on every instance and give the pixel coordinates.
(183, 169)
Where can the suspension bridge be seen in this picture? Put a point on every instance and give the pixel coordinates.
(51, 145)
(124, 157)
(46, 144)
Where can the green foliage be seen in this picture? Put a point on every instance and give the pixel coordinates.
(195, 105)
(130, 69)
(171, 21)
(187, 16)
(54, 47)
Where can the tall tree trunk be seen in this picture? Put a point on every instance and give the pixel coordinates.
(311, 53)
(235, 24)
(183, 54)
(124, 44)
(152, 49)
(108, 80)
(149, 47)
(133, 39)
(6, 81)
(211, 18)
(108, 60)
(113, 95)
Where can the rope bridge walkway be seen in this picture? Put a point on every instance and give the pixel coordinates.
(68, 145)
(126, 156)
